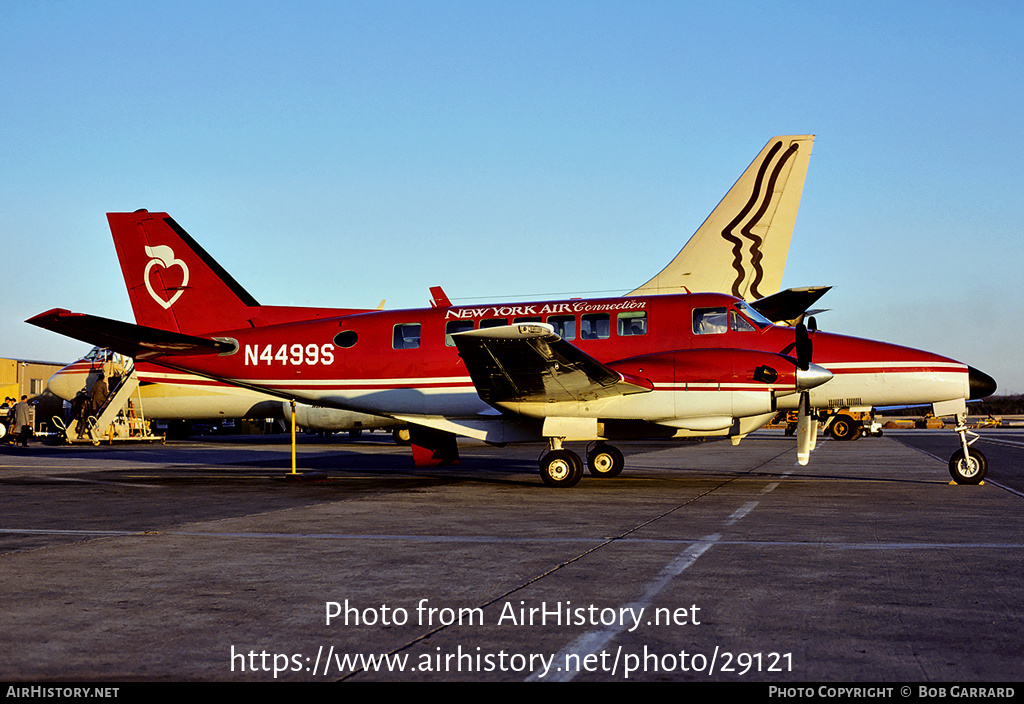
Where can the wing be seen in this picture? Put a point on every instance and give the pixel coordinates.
(133, 340)
(529, 362)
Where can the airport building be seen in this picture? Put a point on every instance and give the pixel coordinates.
(28, 378)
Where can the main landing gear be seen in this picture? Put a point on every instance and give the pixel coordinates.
(564, 468)
(967, 465)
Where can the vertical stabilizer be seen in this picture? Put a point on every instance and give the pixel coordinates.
(172, 282)
(741, 248)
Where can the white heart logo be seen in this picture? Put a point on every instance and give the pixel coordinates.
(163, 255)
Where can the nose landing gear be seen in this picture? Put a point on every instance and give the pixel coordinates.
(967, 465)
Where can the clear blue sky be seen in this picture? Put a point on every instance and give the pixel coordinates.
(338, 153)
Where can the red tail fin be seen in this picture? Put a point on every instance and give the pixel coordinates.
(172, 282)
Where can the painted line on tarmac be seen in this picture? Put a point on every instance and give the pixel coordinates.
(593, 641)
(739, 513)
(596, 640)
(92, 481)
(1000, 441)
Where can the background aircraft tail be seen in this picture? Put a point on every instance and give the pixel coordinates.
(172, 282)
(741, 248)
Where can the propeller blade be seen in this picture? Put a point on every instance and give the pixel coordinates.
(804, 347)
(806, 430)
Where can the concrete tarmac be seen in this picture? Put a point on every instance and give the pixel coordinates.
(701, 562)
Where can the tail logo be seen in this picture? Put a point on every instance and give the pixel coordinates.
(162, 256)
(761, 197)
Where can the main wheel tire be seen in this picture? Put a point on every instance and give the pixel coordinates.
(844, 428)
(605, 461)
(969, 470)
(561, 469)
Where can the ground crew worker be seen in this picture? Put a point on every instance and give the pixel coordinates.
(22, 421)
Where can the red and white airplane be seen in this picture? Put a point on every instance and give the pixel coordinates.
(746, 259)
(595, 370)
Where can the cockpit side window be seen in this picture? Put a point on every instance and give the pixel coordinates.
(710, 321)
(738, 323)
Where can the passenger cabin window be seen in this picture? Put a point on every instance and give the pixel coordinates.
(633, 323)
(406, 336)
(455, 326)
(595, 326)
(528, 319)
(493, 323)
(564, 325)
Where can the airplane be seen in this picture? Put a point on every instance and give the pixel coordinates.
(741, 248)
(593, 370)
(167, 395)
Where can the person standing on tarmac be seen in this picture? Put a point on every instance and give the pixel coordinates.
(7, 419)
(80, 412)
(22, 421)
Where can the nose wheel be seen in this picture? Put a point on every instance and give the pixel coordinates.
(968, 464)
(968, 469)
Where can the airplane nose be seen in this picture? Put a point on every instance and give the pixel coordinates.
(981, 384)
(62, 385)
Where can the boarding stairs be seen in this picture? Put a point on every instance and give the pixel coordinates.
(119, 418)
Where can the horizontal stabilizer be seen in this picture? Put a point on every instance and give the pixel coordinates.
(530, 362)
(132, 340)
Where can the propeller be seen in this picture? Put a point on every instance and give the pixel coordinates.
(804, 347)
(806, 430)
(807, 424)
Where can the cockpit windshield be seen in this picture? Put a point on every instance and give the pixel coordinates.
(753, 316)
(103, 355)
